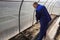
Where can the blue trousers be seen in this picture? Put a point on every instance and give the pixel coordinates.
(43, 29)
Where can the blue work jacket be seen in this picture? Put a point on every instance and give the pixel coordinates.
(42, 14)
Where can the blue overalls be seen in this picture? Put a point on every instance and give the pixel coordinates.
(44, 17)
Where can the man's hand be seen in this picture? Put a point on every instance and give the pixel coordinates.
(37, 22)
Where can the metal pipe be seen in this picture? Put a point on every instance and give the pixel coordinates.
(19, 14)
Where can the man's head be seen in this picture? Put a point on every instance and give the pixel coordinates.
(35, 4)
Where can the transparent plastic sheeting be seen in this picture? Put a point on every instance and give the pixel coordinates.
(26, 18)
(20, 0)
(10, 0)
(9, 12)
(9, 19)
(56, 8)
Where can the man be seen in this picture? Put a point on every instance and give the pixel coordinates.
(43, 16)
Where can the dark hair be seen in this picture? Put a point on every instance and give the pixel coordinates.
(35, 3)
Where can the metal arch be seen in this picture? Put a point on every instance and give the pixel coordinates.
(45, 2)
(19, 14)
(49, 3)
(53, 7)
(50, 6)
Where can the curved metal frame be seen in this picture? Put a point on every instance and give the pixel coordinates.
(53, 7)
(45, 2)
(49, 3)
(20, 13)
